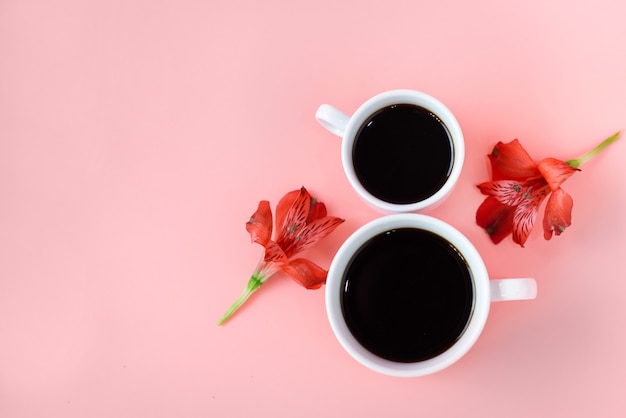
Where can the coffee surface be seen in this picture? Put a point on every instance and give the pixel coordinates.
(403, 154)
(407, 295)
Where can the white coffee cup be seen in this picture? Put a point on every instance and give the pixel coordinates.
(484, 291)
(349, 128)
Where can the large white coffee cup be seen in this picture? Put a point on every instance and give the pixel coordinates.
(484, 291)
(349, 128)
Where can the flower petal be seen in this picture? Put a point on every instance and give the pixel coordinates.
(274, 253)
(523, 223)
(558, 215)
(555, 171)
(525, 216)
(508, 192)
(294, 222)
(496, 218)
(513, 192)
(317, 210)
(306, 273)
(510, 161)
(313, 233)
(293, 211)
(260, 224)
(283, 207)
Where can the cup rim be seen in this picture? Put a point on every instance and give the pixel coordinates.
(475, 324)
(402, 96)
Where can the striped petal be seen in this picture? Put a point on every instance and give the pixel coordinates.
(295, 217)
(284, 206)
(508, 192)
(526, 215)
(513, 192)
(312, 233)
(273, 253)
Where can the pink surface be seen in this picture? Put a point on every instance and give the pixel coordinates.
(137, 137)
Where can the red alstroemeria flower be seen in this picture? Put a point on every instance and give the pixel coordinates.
(301, 221)
(519, 186)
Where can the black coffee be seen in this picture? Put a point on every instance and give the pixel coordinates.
(407, 295)
(403, 154)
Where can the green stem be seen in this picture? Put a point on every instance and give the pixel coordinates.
(254, 284)
(577, 162)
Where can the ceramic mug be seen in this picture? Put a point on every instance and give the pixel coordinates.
(402, 150)
(408, 295)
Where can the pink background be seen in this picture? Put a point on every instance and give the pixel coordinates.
(137, 137)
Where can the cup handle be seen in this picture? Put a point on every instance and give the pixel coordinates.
(332, 119)
(513, 289)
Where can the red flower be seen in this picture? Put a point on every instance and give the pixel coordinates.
(519, 186)
(301, 221)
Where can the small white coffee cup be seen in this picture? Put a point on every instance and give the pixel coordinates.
(483, 292)
(409, 156)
